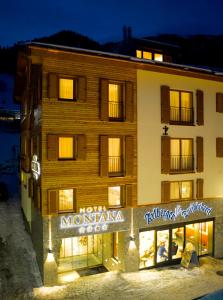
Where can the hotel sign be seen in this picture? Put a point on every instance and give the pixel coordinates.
(35, 166)
(165, 214)
(91, 222)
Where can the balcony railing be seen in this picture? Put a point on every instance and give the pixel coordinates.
(115, 165)
(115, 111)
(181, 115)
(182, 163)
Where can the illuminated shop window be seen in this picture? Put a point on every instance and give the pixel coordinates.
(115, 101)
(66, 200)
(115, 195)
(158, 57)
(181, 107)
(181, 190)
(66, 89)
(66, 150)
(147, 249)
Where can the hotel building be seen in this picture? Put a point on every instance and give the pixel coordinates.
(121, 159)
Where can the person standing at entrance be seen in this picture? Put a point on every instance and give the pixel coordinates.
(162, 252)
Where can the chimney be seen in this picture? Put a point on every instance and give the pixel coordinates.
(129, 33)
(125, 33)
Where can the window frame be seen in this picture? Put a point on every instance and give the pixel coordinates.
(180, 187)
(75, 86)
(153, 53)
(68, 210)
(180, 170)
(180, 122)
(122, 102)
(122, 197)
(74, 147)
(121, 173)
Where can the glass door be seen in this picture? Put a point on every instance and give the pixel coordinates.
(162, 246)
(147, 249)
(80, 252)
(177, 242)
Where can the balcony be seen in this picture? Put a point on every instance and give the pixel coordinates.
(181, 115)
(115, 111)
(115, 166)
(181, 163)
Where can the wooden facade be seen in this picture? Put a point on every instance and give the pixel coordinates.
(85, 118)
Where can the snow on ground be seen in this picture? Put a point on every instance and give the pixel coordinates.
(20, 278)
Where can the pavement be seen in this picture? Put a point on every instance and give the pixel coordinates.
(20, 278)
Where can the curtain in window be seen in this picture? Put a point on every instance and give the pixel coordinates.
(174, 106)
(65, 147)
(174, 191)
(186, 154)
(175, 154)
(186, 107)
(114, 196)
(114, 152)
(114, 100)
(66, 88)
(65, 200)
(186, 189)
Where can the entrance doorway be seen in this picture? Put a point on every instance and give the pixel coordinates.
(80, 252)
(166, 245)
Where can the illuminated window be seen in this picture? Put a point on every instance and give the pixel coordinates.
(115, 196)
(115, 101)
(66, 146)
(138, 53)
(181, 190)
(147, 55)
(181, 155)
(181, 107)
(115, 156)
(115, 245)
(66, 200)
(66, 89)
(158, 56)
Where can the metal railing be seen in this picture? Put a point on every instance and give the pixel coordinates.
(115, 165)
(179, 163)
(181, 115)
(115, 110)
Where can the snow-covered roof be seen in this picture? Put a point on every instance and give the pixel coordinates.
(206, 70)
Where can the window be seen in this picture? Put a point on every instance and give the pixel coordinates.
(158, 56)
(66, 200)
(149, 55)
(115, 245)
(181, 190)
(181, 107)
(115, 105)
(181, 155)
(61, 201)
(115, 158)
(116, 100)
(219, 147)
(66, 89)
(115, 196)
(66, 146)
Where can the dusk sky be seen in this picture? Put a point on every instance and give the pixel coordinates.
(103, 20)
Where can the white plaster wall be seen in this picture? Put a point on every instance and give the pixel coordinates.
(149, 130)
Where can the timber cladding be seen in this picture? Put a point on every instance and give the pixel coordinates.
(82, 117)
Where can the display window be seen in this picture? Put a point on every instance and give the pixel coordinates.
(166, 245)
